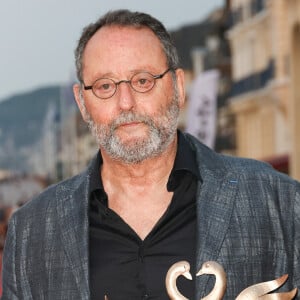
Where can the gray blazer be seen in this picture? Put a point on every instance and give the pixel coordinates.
(248, 221)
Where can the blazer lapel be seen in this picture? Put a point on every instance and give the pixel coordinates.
(72, 210)
(215, 202)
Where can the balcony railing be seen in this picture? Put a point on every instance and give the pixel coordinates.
(236, 17)
(253, 82)
(244, 12)
(257, 6)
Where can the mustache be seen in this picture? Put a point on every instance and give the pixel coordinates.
(130, 117)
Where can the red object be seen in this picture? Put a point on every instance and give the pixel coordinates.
(280, 163)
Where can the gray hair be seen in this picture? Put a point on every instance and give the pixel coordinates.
(127, 18)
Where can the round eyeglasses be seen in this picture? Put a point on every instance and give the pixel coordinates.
(141, 82)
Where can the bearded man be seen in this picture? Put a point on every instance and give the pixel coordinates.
(152, 196)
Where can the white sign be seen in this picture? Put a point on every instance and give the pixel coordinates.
(202, 107)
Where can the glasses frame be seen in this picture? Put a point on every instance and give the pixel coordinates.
(155, 77)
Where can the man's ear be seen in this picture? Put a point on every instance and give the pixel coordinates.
(78, 97)
(180, 86)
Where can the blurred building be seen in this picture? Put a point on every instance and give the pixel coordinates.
(17, 189)
(264, 37)
(203, 46)
(78, 146)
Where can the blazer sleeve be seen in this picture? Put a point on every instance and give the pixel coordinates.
(9, 278)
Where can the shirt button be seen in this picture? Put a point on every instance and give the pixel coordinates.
(141, 257)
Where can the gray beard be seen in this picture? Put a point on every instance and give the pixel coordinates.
(161, 132)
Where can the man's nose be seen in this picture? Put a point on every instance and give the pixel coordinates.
(125, 95)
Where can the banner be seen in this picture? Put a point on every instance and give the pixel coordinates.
(202, 107)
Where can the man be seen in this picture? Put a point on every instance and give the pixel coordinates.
(152, 196)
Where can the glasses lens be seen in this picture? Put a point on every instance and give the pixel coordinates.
(104, 88)
(142, 82)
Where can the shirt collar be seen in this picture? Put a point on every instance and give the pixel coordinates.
(96, 181)
(185, 161)
(185, 157)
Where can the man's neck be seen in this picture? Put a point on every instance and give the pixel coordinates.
(138, 192)
(150, 171)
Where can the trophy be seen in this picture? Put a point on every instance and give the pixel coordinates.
(253, 292)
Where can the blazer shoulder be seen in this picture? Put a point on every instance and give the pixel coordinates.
(43, 201)
(245, 167)
(258, 170)
(208, 156)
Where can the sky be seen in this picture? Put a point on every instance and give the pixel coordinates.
(38, 37)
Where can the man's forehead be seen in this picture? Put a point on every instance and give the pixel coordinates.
(130, 32)
(112, 44)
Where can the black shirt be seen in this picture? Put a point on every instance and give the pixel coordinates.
(124, 267)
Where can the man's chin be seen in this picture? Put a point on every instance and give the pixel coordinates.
(133, 140)
(134, 133)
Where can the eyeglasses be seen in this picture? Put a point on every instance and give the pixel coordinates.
(141, 82)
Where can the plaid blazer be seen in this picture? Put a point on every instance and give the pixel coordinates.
(248, 220)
